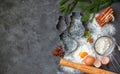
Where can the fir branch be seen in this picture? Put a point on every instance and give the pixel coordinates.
(62, 2)
(85, 16)
(105, 4)
(81, 5)
(67, 6)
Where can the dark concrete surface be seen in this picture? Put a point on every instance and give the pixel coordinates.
(27, 36)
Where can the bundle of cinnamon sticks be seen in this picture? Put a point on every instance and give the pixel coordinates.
(105, 16)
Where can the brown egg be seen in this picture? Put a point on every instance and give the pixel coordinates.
(89, 60)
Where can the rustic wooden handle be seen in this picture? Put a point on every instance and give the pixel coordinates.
(84, 68)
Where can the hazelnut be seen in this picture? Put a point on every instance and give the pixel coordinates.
(90, 40)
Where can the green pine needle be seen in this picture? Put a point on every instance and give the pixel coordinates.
(87, 34)
(85, 16)
(81, 5)
(67, 6)
(62, 2)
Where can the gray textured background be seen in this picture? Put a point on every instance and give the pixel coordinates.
(28, 35)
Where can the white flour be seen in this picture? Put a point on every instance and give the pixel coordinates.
(103, 44)
(97, 31)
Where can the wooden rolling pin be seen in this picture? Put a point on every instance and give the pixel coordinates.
(84, 68)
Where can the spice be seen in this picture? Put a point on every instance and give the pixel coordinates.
(105, 16)
(90, 40)
(59, 52)
(55, 53)
(59, 48)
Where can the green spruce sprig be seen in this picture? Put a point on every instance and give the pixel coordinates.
(92, 7)
(67, 6)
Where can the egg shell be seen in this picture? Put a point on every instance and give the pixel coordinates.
(105, 60)
(97, 63)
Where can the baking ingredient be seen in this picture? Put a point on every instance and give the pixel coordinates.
(89, 60)
(59, 48)
(90, 40)
(83, 54)
(55, 53)
(102, 45)
(105, 16)
(105, 60)
(59, 52)
(97, 63)
(102, 13)
(84, 68)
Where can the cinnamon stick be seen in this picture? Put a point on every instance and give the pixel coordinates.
(103, 12)
(106, 21)
(103, 16)
(109, 12)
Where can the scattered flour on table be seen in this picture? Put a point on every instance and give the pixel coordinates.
(97, 31)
